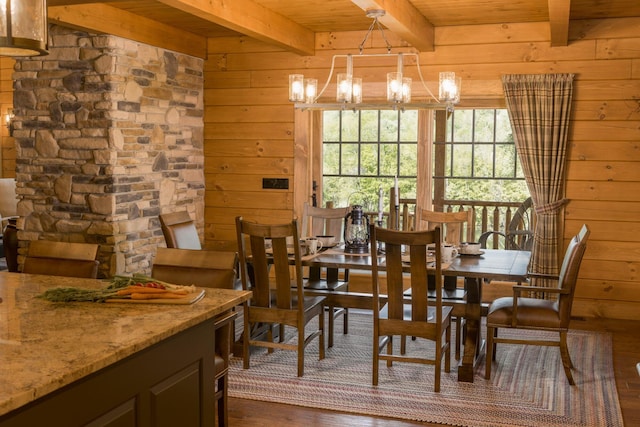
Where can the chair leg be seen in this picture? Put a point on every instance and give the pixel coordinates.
(376, 359)
(270, 335)
(331, 325)
(495, 335)
(345, 319)
(300, 350)
(447, 355)
(458, 336)
(321, 337)
(245, 340)
(436, 379)
(566, 359)
(490, 352)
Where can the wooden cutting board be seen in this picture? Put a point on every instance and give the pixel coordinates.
(188, 299)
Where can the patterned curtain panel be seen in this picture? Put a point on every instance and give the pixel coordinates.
(539, 106)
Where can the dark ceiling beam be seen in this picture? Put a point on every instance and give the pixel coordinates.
(404, 20)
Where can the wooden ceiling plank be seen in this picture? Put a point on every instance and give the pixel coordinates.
(405, 20)
(252, 19)
(559, 11)
(101, 18)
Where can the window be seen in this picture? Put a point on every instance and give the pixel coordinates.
(364, 151)
(474, 157)
(477, 159)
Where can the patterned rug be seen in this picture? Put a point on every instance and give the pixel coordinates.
(527, 388)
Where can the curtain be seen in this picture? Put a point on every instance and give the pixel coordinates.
(539, 106)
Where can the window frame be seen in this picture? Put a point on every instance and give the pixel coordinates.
(424, 160)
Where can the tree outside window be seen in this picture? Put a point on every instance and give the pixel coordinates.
(473, 160)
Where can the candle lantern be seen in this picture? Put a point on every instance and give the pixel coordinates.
(356, 231)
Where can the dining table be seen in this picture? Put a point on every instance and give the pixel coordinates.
(486, 265)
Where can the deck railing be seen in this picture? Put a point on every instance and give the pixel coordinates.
(488, 216)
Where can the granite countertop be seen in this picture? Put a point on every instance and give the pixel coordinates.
(45, 346)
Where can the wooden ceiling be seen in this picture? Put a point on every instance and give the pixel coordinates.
(292, 24)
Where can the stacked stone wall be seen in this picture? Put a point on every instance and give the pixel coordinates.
(109, 134)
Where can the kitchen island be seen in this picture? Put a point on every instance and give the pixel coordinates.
(86, 363)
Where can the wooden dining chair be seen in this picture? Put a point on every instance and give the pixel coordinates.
(283, 302)
(331, 282)
(208, 269)
(518, 235)
(456, 227)
(549, 314)
(418, 317)
(62, 259)
(179, 230)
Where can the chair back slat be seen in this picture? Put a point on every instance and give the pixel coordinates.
(210, 269)
(62, 259)
(179, 230)
(63, 250)
(457, 226)
(285, 275)
(318, 221)
(569, 270)
(415, 243)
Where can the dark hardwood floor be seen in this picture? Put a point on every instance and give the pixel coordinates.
(626, 355)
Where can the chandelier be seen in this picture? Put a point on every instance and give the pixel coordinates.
(349, 91)
(23, 28)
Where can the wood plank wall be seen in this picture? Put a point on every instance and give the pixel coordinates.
(249, 132)
(7, 143)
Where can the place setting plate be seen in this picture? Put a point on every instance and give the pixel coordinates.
(479, 253)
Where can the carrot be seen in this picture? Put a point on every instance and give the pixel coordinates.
(140, 290)
(166, 295)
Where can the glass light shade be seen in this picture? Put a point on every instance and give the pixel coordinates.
(310, 90)
(356, 90)
(296, 87)
(406, 89)
(23, 28)
(344, 88)
(449, 90)
(394, 87)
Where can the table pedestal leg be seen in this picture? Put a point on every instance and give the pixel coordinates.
(473, 339)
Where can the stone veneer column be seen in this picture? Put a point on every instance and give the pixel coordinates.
(109, 134)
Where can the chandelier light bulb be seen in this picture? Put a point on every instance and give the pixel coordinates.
(449, 87)
(345, 86)
(394, 87)
(406, 89)
(310, 90)
(356, 90)
(296, 87)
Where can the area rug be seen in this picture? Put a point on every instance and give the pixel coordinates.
(528, 386)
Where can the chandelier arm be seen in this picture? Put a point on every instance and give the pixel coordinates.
(422, 79)
(417, 57)
(326, 84)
